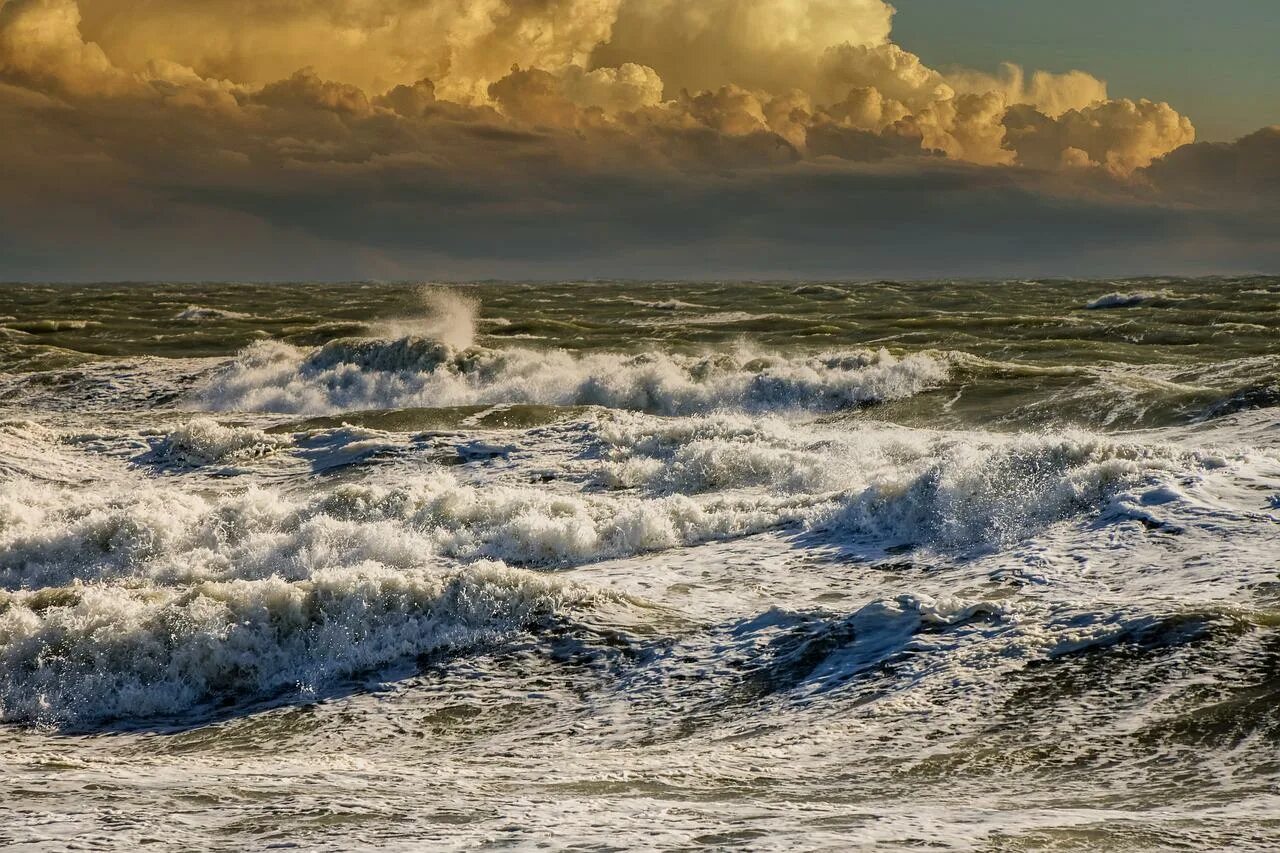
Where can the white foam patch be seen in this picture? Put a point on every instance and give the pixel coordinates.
(204, 441)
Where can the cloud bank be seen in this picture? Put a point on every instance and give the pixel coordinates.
(550, 137)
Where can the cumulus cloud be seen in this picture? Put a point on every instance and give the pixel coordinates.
(473, 119)
(626, 88)
(1120, 135)
(773, 45)
(463, 45)
(40, 44)
(1051, 94)
(572, 63)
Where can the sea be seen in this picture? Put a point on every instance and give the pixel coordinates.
(611, 565)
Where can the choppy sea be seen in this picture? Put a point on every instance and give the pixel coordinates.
(641, 565)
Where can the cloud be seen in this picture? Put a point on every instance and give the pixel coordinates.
(724, 66)
(40, 44)
(1248, 168)
(1119, 135)
(627, 88)
(463, 45)
(1051, 94)
(563, 132)
(773, 45)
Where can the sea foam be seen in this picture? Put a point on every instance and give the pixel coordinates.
(203, 441)
(957, 489)
(93, 652)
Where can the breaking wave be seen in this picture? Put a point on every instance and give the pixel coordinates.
(94, 652)
(353, 374)
(926, 487)
(51, 537)
(448, 316)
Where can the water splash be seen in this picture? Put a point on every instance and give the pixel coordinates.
(448, 316)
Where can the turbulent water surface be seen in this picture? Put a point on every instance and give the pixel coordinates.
(832, 565)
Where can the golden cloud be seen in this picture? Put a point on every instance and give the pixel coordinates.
(733, 67)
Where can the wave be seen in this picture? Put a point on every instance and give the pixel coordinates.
(204, 441)
(362, 374)
(171, 536)
(671, 304)
(963, 662)
(1261, 396)
(956, 490)
(199, 313)
(48, 327)
(90, 653)
(822, 291)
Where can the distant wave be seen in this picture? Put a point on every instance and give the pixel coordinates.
(1122, 300)
(46, 327)
(198, 313)
(155, 598)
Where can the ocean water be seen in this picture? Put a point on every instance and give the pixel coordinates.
(601, 566)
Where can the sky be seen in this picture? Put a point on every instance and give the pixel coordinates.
(1218, 62)
(439, 139)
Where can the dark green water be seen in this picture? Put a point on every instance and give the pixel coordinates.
(1158, 352)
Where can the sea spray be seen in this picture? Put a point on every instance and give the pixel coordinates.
(448, 316)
